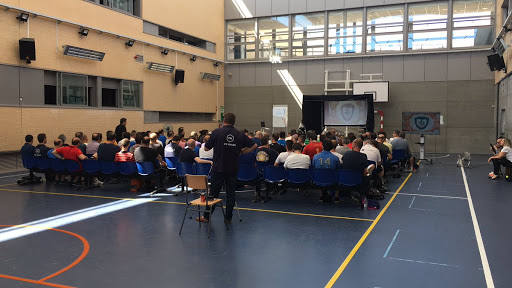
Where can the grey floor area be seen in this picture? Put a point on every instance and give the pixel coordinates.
(424, 239)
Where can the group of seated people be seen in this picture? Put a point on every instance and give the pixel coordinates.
(502, 157)
(297, 150)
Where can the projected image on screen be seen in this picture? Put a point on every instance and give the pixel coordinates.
(427, 123)
(345, 113)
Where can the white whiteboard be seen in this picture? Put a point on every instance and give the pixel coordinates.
(380, 90)
(280, 116)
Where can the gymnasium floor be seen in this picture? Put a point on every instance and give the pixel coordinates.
(423, 236)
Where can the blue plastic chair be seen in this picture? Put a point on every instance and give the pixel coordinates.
(298, 176)
(203, 169)
(91, 166)
(248, 173)
(145, 168)
(72, 166)
(29, 162)
(273, 174)
(127, 168)
(172, 163)
(398, 155)
(349, 178)
(107, 167)
(325, 177)
(185, 168)
(58, 165)
(43, 163)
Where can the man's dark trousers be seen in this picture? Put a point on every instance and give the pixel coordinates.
(229, 181)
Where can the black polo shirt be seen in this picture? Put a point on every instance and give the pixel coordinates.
(278, 148)
(353, 160)
(187, 155)
(227, 143)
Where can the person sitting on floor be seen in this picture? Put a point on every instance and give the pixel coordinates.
(326, 160)
(297, 160)
(503, 157)
(41, 150)
(282, 156)
(107, 151)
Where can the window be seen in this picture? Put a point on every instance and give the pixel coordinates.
(108, 97)
(385, 27)
(50, 94)
(241, 39)
(345, 32)
(473, 23)
(127, 6)
(273, 36)
(131, 94)
(161, 31)
(308, 34)
(73, 89)
(428, 26)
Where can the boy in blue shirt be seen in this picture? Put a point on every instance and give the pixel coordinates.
(326, 160)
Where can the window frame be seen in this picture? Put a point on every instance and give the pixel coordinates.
(60, 90)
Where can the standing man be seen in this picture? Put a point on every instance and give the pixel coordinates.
(120, 129)
(228, 144)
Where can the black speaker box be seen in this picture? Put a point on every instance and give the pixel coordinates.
(179, 76)
(27, 49)
(495, 62)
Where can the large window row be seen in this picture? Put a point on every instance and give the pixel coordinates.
(132, 7)
(423, 26)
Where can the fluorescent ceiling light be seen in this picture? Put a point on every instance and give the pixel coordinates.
(83, 53)
(209, 76)
(160, 67)
(292, 86)
(242, 8)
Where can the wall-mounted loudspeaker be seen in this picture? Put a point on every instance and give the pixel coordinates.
(27, 49)
(179, 76)
(496, 62)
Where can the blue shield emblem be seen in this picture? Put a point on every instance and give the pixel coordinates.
(421, 122)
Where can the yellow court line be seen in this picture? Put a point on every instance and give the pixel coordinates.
(181, 203)
(365, 235)
(8, 184)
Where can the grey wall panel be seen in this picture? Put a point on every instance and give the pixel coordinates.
(373, 2)
(414, 68)
(251, 6)
(393, 68)
(232, 80)
(9, 85)
(230, 11)
(247, 74)
(353, 3)
(32, 86)
(298, 6)
(263, 8)
(372, 65)
(355, 65)
(479, 68)
(315, 72)
(276, 78)
(436, 67)
(315, 5)
(334, 4)
(387, 2)
(280, 7)
(50, 78)
(334, 64)
(263, 74)
(150, 28)
(298, 71)
(109, 83)
(459, 66)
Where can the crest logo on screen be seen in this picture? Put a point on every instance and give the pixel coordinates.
(421, 122)
(347, 111)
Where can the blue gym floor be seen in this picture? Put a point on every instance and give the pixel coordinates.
(425, 237)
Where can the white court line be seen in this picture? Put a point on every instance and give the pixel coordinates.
(412, 202)
(419, 209)
(8, 176)
(433, 196)
(479, 240)
(69, 218)
(424, 262)
(419, 186)
(391, 244)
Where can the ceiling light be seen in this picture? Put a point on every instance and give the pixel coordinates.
(209, 76)
(165, 51)
(23, 17)
(83, 32)
(83, 53)
(193, 58)
(160, 67)
(129, 43)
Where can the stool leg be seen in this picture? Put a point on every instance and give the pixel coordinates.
(199, 214)
(184, 216)
(238, 211)
(224, 216)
